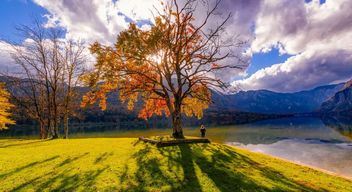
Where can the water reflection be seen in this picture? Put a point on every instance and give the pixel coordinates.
(325, 144)
(340, 123)
(333, 157)
(271, 131)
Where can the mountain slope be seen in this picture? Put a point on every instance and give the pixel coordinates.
(341, 102)
(264, 101)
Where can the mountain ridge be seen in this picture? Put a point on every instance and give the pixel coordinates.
(266, 101)
(261, 101)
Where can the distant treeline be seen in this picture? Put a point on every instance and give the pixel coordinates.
(119, 118)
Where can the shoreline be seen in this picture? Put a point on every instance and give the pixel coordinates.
(294, 162)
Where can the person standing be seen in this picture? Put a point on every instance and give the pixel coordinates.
(202, 130)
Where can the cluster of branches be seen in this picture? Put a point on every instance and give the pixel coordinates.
(171, 67)
(48, 69)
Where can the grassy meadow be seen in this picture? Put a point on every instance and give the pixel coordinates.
(125, 164)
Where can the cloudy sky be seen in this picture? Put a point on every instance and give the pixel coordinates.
(293, 44)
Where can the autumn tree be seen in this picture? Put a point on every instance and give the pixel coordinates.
(171, 67)
(5, 106)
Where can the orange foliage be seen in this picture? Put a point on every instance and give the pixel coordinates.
(151, 66)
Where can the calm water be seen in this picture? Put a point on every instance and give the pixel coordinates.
(325, 144)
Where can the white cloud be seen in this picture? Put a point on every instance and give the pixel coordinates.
(299, 26)
(7, 64)
(303, 71)
(102, 20)
(89, 20)
(319, 35)
(96, 20)
(139, 9)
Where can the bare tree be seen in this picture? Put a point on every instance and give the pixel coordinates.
(48, 69)
(74, 67)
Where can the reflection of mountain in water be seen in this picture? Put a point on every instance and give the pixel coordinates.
(334, 157)
(324, 143)
(271, 131)
(341, 124)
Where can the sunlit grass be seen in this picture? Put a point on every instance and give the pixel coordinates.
(124, 164)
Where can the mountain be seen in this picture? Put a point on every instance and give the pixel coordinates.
(340, 103)
(264, 101)
(256, 101)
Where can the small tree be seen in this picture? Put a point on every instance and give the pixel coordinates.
(73, 60)
(170, 67)
(5, 106)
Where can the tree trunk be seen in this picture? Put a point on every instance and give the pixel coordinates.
(66, 125)
(55, 116)
(54, 130)
(176, 123)
(43, 132)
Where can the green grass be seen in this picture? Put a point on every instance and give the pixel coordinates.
(124, 164)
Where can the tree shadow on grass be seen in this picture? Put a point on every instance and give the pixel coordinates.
(148, 176)
(71, 182)
(63, 177)
(103, 157)
(232, 180)
(25, 184)
(228, 170)
(190, 181)
(72, 159)
(177, 175)
(30, 165)
(65, 181)
(22, 143)
(223, 178)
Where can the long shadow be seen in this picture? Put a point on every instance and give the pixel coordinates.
(228, 170)
(72, 159)
(223, 178)
(21, 144)
(4, 175)
(235, 181)
(123, 176)
(65, 181)
(148, 173)
(217, 170)
(183, 162)
(73, 182)
(103, 157)
(23, 185)
(190, 181)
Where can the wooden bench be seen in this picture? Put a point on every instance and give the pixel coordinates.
(173, 142)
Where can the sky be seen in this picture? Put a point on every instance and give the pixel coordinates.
(293, 45)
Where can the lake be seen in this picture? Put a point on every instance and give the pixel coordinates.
(322, 143)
